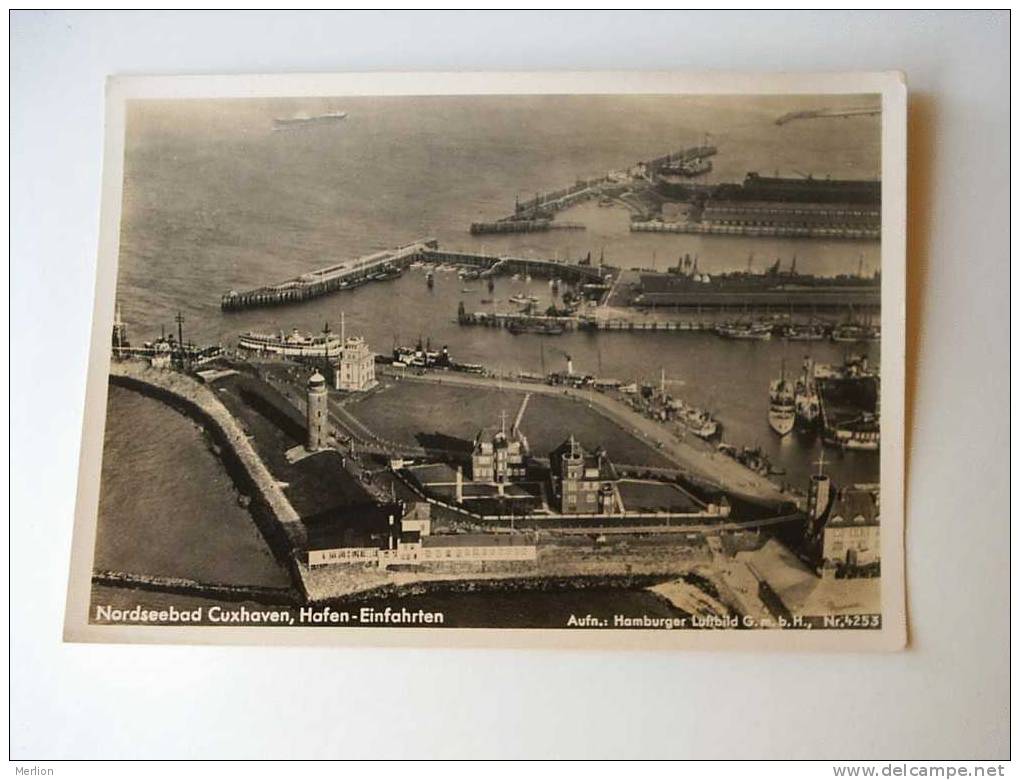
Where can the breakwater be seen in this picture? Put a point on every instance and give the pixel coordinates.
(183, 586)
(550, 202)
(507, 584)
(277, 520)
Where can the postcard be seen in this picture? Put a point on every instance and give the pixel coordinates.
(557, 360)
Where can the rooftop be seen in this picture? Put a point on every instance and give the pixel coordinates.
(853, 507)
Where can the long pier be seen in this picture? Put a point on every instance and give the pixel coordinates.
(550, 202)
(522, 226)
(507, 320)
(352, 273)
(761, 231)
(326, 280)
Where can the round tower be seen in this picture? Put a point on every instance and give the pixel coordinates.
(818, 495)
(317, 412)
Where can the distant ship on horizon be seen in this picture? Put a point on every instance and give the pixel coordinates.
(283, 123)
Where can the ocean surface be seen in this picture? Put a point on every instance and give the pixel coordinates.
(215, 199)
(167, 505)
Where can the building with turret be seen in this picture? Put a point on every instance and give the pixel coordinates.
(354, 370)
(317, 413)
(851, 536)
(583, 482)
(499, 456)
(844, 528)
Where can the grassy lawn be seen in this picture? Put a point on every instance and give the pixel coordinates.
(549, 420)
(417, 413)
(652, 497)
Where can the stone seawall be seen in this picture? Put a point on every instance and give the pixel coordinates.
(186, 587)
(276, 518)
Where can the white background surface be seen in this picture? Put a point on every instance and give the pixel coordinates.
(945, 697)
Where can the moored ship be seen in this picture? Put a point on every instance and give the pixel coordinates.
(294, 343)
(540, 327)
(861, 434)
(807, 404)
(697, 421)
(782, 407)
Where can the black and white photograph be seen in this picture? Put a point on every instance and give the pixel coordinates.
(491, 385)
(609, 362)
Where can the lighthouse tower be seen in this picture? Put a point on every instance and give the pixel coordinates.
(318, 412)
(819, 493)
